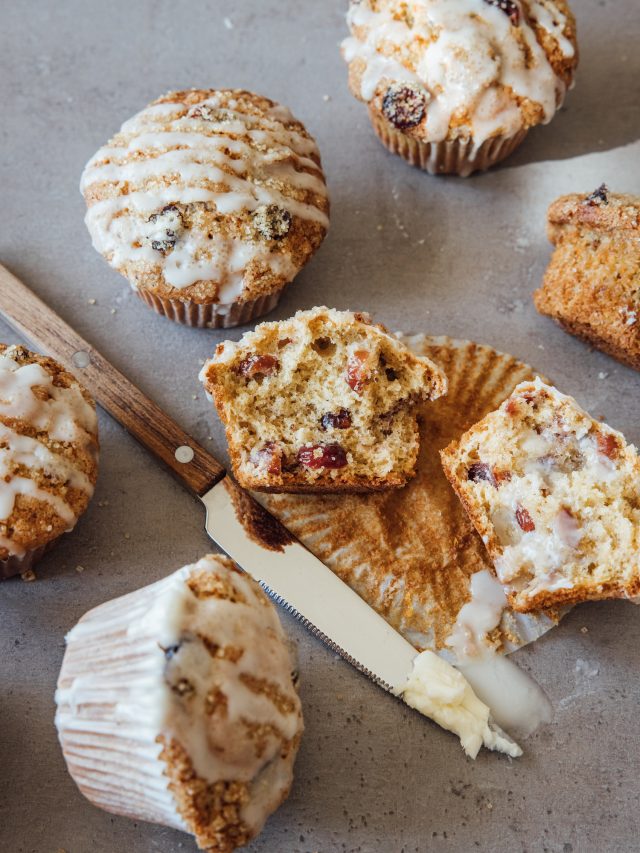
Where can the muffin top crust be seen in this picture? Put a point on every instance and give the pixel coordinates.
(208, 196)
(48, 450)
(461, 69)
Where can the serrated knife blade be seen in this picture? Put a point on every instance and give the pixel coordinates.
(300, 582)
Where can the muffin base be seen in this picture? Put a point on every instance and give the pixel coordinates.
(450, 157)
(211, 315)
(17, 565)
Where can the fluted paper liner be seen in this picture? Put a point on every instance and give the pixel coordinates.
(450, 157)
(115, 762)
(410, 553)
(211, 315)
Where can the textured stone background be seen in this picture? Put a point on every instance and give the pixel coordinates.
(452, 257)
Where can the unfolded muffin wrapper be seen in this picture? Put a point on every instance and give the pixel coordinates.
(111, 746)
(19, 564)
(211, 315)
(450, 157)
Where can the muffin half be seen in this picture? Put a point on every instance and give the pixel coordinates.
(209, 202)
(324, 402)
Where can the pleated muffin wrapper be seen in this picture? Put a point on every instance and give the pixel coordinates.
(412, 554)
(110, 713)
(450, 157)
(211, 315)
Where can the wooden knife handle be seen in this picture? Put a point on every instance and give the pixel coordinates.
(139, 415)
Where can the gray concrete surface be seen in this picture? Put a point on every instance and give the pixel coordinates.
(455, 257)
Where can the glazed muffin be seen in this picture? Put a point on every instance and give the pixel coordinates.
(454, 87)
(323, 402)
(209, 202)
(592, 285)
(555, 496)
(176, 704)
(48, 455)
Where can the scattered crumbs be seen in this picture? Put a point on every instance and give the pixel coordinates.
(522, 243)
(127, 536)
(61, 850)
(92, 301)
(228, 23)
(113, 310)
(540, 346)
(28, 576)
(326, 98)
(209, 438)
(602, 375)
(112, 554)
(489, 805)
(584, 630)
(380, 227)
(421, 242)
(194, 396)
(80, 569)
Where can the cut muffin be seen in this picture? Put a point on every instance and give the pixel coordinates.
(455, 87)
(592, 284)
(323, 402)
(48, 455)
(555, 496)
(209, 202)
(176, 704)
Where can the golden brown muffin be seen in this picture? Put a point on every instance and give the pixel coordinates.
(555, 496)
(592, 284)
(48, 455)
(209, 202)
(176, 704)
(323, 402)
(454, 87)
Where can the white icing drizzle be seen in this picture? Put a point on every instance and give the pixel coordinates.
(470, 57)
(63, 414)
(117, 693)
(516, 701)
(167, 155)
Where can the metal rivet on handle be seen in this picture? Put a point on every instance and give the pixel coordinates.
(184, 454)
(81, 359)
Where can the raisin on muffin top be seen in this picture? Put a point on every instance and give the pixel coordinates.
(208, 196)
(451, 69)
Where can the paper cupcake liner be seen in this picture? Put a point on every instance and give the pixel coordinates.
(453, 157)
(411, 554)
(211, 315)
(110, 743)
(19, 564)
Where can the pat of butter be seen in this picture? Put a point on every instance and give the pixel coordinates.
(441, 692)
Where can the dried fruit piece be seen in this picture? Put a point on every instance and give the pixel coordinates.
(598, 197)
(169, 224)
(322, 456)
(481, 471)
(357, 373)
(323, 346)
(269, 458)
(524, 519)
(509, 7)
(271, 222)
(502, 477)
(336, 420)
(404, 106)
(258, 365)
(607, 445)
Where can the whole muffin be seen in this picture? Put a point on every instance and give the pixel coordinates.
(454, 87)
(209, 202)
(176, 704)
(48, 455)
